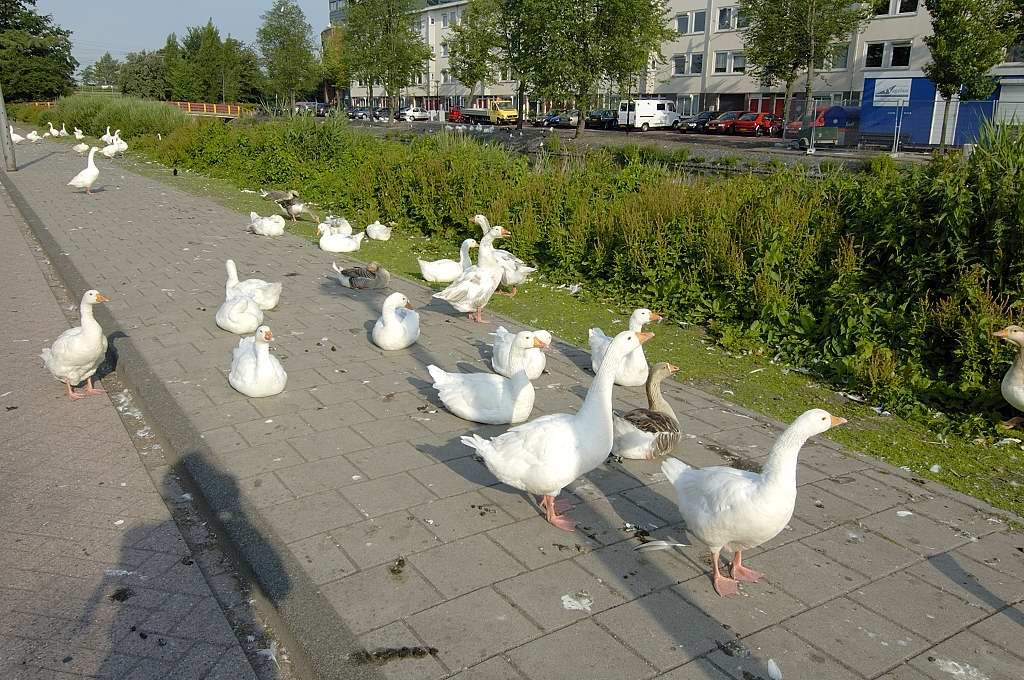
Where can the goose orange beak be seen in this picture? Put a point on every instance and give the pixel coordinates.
(268, 336)
(1005, 333)
(537, 342)
(505, 232)
(656, 317)
(102, 298)
(644, 337)
(837, 421)
(408, 305)
(673, 368)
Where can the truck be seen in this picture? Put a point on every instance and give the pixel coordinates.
(497, 112)
(646, 113)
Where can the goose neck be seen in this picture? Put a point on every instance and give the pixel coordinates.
(656, 401)
(1016, 372)
(464, 259)
(781, 465)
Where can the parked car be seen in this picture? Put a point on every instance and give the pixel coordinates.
(414, 113)
(605, 119)
(314, 108)
(725, 123)
(548, 119)
(794, 126)
(644, 114)
(699, 122)
(758, 123)
(360, 113)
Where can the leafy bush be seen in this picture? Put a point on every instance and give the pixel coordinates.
(887, 281)
(93, 113)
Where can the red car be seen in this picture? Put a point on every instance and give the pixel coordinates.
(795, 126)
(757, 124)
(725, 123)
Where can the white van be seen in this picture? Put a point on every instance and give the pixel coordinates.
(644, 114)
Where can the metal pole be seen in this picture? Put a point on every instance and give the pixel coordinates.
(10, 163)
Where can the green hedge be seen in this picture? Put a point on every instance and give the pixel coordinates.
(93, 113)
(887, 281)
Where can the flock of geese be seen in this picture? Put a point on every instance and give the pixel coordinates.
(113, 146)
(726, 508)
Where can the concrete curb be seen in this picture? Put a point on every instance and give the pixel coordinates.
(318, 639)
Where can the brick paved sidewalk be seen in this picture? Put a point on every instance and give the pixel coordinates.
(354, 467)
(96, 578)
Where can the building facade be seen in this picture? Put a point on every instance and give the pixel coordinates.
(704, 66)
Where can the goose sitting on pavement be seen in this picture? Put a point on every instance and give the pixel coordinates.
(446, 271)
(505, 360)
(266, 294)
(645, 433)
(271, 225)
(87, 177)
(338, 243)
(633, 372)
(33, 137)
(474, 288)
(545, 455)
(398, 325)
(239, 314)
(738, 510)
(81, 148)
(255, 372)
(489, 398)
(76, 354)
(362, 278)
(513, 270)
(79, 135)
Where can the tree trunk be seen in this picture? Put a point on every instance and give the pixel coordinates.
(521, 105)
(945, 120)
(788, 106)
(581, 117)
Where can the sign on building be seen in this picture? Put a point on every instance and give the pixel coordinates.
(892, 92)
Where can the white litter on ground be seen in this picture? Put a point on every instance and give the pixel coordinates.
(960, 670)
(581, 601)
(903, 513)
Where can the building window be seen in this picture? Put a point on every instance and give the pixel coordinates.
(900, 54)
(1015, 53)
(699, 21)
(721, 62)
(874, 55)
(444, 49)
(729, 19)
(691, 23)
(446, 77)
(444, 20)
(686, 64)
(683, 24)
(883, 8)
(730, 62)
(688, 104)
(838, 60)
(739, 62)
(895, 54)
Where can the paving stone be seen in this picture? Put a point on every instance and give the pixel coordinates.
(558, 594)
(495, 668)
(465, 629)
(398, 635)
(441, 479)
(903, 673)
(758, 606)
(967, 656)
(383, 539)
(1003, 629)
(629, 572)
(480, 562)
(457, 516)
(859, 638)
(318, 476)
(825, 510)
(915, 532)
(805, 573)
(264, 490)
(394, 596)
(695, 670)
(258, 459)
(794, 657)
(310, 515)
(381, 461)
(1003, 551)
(264, 430)
(865, 491)
(387, 494)
(855, 547)
(534, 541)
(545, 659)
(664, 629)
(327, 418)
(328, 444)
(972, 581)
(398, 429)
(918, 606)
(322, 558)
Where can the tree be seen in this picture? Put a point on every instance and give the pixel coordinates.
(968, 38)
(143, 74)
(784, 38)
(474, 45)
(383, 44)
(332, 62)
(580, 44)
(35, 53)
(202, 50)
(243, 80)
(287, 51)
(105, 70)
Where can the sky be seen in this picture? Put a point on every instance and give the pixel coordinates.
(122, 26)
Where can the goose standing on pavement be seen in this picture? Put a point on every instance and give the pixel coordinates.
(78, 352)
(513, 270)
(15, 137)
(738, 510)
(63, 130)
(474, 288)
(1012, 386)
(545, 455)
(634, 370)
(86, 178)
(33, 137)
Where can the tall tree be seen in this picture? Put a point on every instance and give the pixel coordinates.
(35, 53)
(786, 38)
(202, 50)
(286, 46)
(474, 45)
(143, 74)
(173, 66)
(243, 80)
(332, 62)
(384, 44)
(105, 70)
(968, 38)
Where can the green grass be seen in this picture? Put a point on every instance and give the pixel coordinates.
(993, 474)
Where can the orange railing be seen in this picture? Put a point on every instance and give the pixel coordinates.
(205, 109)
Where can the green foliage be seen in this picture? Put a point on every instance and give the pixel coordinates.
(286, 47)
(143, 74)
(887, 281)
(35, 53)
(93, 113)
(474, 54)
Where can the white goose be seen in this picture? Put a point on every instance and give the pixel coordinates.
(81, 148)
(79, 135)
(86, 178)
(63, 130)
(737, 509)
(271, 225)
(378, 231)
(506, 361)
(1012, 385)
(107, 138)
(239, 315)
(78, 352)
(15, 137)
(398, 325)
(474, 288)
(109, 151)
(121, 145)
(544, 455)
(54, 132)
(489, 398)
(338, 243)
(513, 270)
(255, 372)
(335, 225)
(33, 137)
(446, 271)
(264, 293)
(633, 371)
(645, 433)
